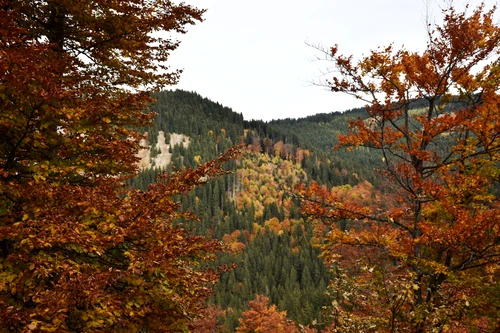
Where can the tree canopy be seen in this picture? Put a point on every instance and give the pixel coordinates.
(423, 254)
(80, 251)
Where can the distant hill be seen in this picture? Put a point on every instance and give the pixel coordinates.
(252, 209)
(190, 114)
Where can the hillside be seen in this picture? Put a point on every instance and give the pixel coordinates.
(253, 210)
(214, 128)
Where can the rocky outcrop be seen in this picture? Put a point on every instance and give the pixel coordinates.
(160, 157)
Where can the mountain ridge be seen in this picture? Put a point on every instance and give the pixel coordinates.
(252, 209)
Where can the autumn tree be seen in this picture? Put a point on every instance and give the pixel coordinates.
(209, 323)
(79, 252)
(264, 318)
(424, 255)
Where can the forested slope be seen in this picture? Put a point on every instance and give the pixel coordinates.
(252, 209)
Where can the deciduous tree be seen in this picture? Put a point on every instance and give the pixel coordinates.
(209, 322)
(424, 256)
(80, 252)
(263, 318)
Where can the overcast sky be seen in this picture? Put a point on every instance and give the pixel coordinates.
(253, 57)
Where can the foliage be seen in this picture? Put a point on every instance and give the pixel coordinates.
(64, 69)
(105, 257)
(263, 318)
(209, 322)
(79, 251)
(421, 256)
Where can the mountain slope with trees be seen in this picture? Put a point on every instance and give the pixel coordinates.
(253, 210)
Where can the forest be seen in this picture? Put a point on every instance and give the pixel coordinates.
(126, 206)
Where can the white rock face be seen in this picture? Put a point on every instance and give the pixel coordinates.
(163, 158)
(144, 154)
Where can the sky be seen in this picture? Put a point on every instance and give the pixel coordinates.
(256, 56)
